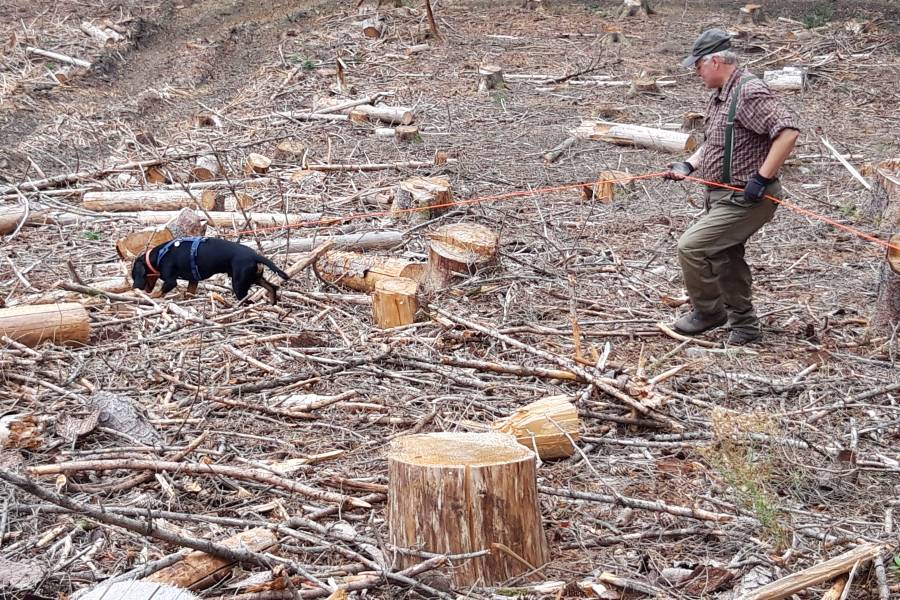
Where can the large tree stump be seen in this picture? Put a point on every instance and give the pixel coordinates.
(199, 570)
(548, 426)
(462, 492)
(394, 302)
(886, 208)
(490, 77)
(257, 164)
(66, 323)
(461, 248)
(421, 198)
(132, 201)
(363, 271)
(752, 14)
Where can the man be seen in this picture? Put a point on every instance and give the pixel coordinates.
(749, 134)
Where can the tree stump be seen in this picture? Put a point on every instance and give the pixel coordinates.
(363, 271)
(186, 223)
(406, 133)
(490, 77)
(136, 590)
(634, 8)
(461, 248)
(66, 323)
(547, 426)
(614, 35)
(373, 28)
(394, 302)
(643, 85)
(692, 121)
(421, 198)
(257, 164)
(290, 151)
(461, 492)
(604, 189)
(752, 14)
(206, 168)
(886, 208)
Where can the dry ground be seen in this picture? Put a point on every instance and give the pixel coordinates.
(766, 431)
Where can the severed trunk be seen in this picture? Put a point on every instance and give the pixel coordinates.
(389, 114)
(886, 208)
(394, 302)
(548, 426)
(236, 220)
(66, 323)
(604, 190)
(132, 201)
(636, 135)
(463, 492)
(363, 271)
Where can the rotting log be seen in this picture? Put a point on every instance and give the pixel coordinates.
(206, 168)
(461, 248)
(490, 77)
(548, 426)
(394, 302)
(788, 78)
(885, 209)
(130, 201)
(636, 135)
(199, 570)
(465, 492)
(389, 114)
(363, 271)
(64, 323)
(421, 198)
(815, 575)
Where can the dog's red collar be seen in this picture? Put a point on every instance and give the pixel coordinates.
(153, 270)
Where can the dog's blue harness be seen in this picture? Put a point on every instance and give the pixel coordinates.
(195, 245)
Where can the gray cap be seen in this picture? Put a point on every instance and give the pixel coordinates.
(709, 42)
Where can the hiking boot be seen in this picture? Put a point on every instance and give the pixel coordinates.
(695, 323)
(742, 337)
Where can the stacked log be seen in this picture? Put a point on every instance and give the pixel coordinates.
(67, 323)
(363, 271)
(454, 493)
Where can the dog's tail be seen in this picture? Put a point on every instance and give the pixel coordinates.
(273, 266)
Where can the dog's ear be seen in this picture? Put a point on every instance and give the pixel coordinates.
(138, 273)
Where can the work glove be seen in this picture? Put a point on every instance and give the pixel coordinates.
(756, 187)
(678, 170)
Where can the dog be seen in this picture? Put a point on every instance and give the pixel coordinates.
(196, 258)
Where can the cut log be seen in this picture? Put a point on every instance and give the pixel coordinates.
(155, 174)
(604, 189)
(752, 14)
(136, 590)
(22, 431)
(225, 200)
(66, 323)
(11, 217)
(788, 78)
(389, 114)
(463, 492)
(132, 201)
(233, 219)
(257, 164)
(635, 135)
(885, 209)
(290, 151)
(460, 248)
(490, 77)
(199, 570)
(136, 244)
(547, 426)
(815, 575)
(363, 271)
(692, 121)
(407, 133)
(373, 240)
(373, 28)
(421, 198)
(552, 155)
(206, 168)
(394, 302)
(103, 36)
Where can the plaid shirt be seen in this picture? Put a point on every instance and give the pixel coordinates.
(759, 119)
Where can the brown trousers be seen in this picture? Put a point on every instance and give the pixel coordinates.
(711, 253)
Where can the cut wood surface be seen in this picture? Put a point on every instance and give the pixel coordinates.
(206, 168)
(548, 426)
(464, 492)
(815, 575)
(136, 244)
(394, 302)
(199, 570)
(635, 135)
(362, 271)
(133, 201)
(461, 248)
(257, 164)
(604, 190)
(373, 28)
(65, 323)
(752, 14)
(421, 198)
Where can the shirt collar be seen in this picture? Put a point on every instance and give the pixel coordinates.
(723, 91)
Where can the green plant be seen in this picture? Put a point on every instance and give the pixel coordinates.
(818, 15)
(896, 566)
(499, 96)
(91, 235)
(308, 65)
(849, 210)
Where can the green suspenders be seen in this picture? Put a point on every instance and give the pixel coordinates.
(729, 129)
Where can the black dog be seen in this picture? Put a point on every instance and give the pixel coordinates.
(194, 259)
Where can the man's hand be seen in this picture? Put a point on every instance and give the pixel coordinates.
(678, 170)
(756, 187)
